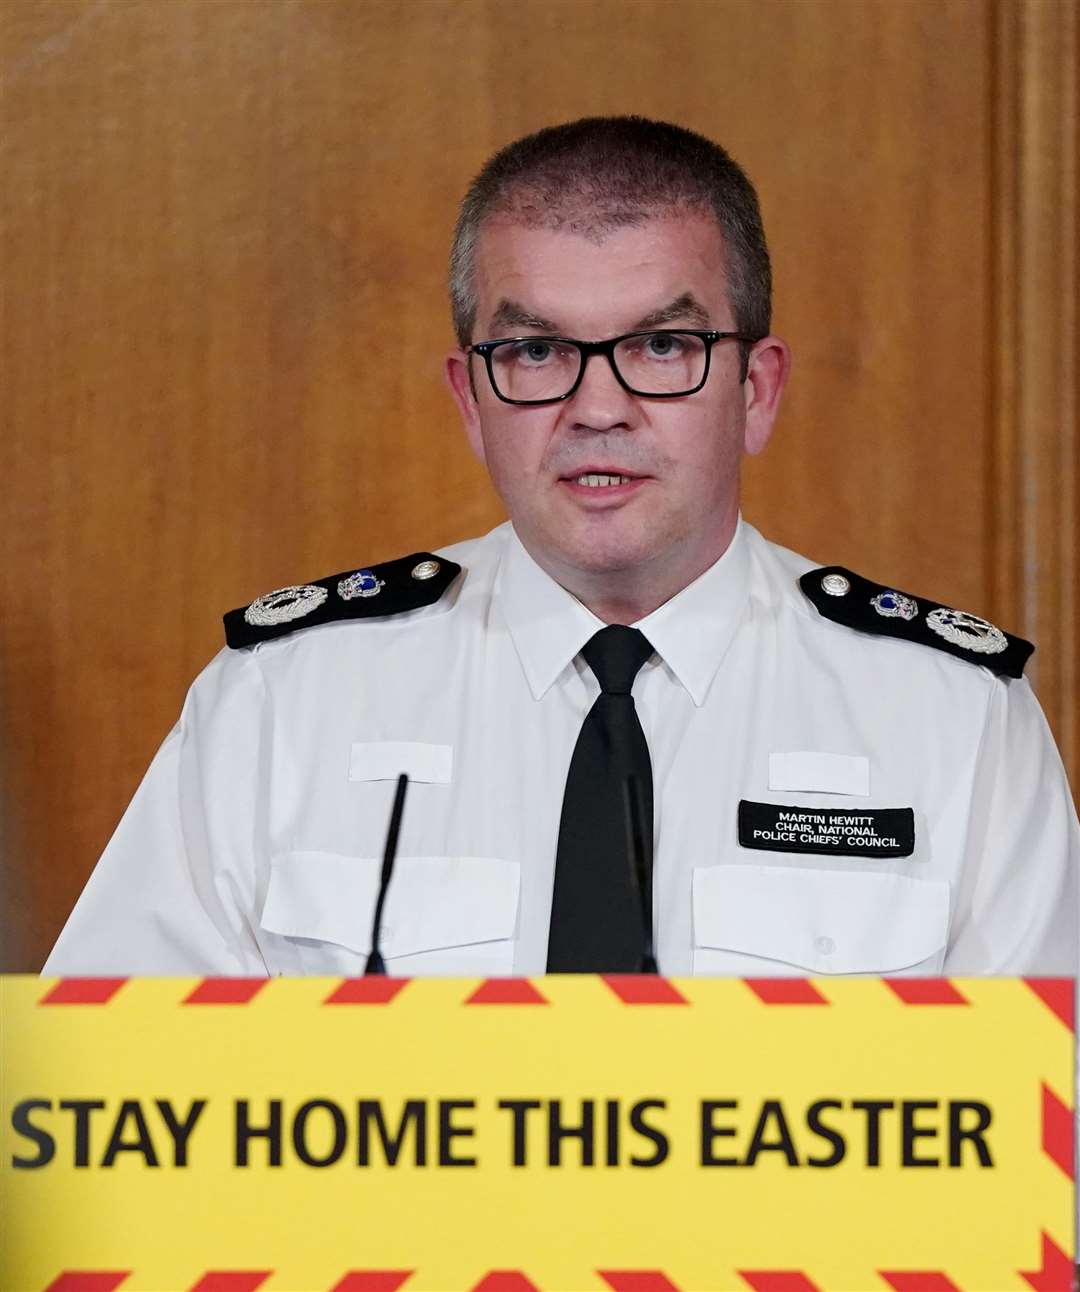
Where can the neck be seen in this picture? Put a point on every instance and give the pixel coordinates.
(623, 596)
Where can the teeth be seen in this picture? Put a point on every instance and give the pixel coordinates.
(601, 482)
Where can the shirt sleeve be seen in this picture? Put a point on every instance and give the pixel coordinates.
(1017, 908)
(173, 892)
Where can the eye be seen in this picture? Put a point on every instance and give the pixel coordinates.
(663, 345)
(532, 353)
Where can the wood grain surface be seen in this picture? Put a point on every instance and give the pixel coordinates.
(223, 230)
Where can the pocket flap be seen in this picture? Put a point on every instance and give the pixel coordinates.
(432, 902)
(827, 921)
(385, 760)
(819, 773)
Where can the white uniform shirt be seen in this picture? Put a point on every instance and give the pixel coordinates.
(253, 845)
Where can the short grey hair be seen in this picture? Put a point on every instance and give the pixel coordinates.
(599, 174)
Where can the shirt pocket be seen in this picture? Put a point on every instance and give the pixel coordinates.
(444, 916)
(780, 921)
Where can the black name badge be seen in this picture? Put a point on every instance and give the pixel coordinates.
(838, 832)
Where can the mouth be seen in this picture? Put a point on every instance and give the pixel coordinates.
(596, 483)
(600, 479)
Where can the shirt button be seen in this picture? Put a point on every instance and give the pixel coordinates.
(825, 945)
(385, 932)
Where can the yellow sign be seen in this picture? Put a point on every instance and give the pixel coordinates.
(565, 1134)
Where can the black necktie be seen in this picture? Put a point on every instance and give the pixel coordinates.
(596, 913)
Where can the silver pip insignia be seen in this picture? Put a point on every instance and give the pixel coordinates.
(361, 584)
(895, 605)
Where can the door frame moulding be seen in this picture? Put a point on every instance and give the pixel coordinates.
(1034, 525)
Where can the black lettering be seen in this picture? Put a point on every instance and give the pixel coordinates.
(612, 1142)
(82, 1108)
(910, 1132)
(558, 1130)
(652, 1133)
(771, 1110)
(710, 1131)
(180, 1131)
(957, 1108)
(873, 1109)
(518, 1108)
(22, 1125)
(299, 1133)
(130, 1111)
(414, 1112)
(245, 1131)
(448, 1131)
(814, 1122)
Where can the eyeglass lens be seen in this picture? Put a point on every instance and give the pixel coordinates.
(657, 363)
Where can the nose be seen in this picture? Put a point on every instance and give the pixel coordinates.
(600, 403)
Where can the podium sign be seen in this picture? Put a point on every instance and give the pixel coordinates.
(564, 1134)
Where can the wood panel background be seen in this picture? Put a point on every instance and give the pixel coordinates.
(224, 229)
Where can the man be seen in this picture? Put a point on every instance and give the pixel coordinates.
(635, 731)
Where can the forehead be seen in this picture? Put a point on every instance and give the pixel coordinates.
(597, 285)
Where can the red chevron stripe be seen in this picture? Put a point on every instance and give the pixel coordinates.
(505, 1281)
(1057, 995)
(372, 1281)
(82, 991)
(506, 991)
(1058, 1132)
(785, 991)
(88, 1281)
(778, 1281)
(1056, 1274)
(225, 991)
(637, 1281)
(644, 989)
(231, 1281)
(925, 991)
(373, 989)
(918, 1281)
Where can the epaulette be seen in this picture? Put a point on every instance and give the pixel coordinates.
(368, 593)
(849, 599)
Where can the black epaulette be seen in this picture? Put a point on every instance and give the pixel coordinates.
(849, 599)
(367, 593)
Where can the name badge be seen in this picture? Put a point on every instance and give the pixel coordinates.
(840, 832)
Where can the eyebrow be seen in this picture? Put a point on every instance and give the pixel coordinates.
(511, 314)
(684, 308)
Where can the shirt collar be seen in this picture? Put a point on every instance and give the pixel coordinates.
(690, 633)
(548, 625)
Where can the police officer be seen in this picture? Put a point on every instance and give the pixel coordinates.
(635, 731)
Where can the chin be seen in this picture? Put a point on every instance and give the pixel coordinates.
(603, 554)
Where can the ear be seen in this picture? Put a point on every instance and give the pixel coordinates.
(459, 379)
(767, 374)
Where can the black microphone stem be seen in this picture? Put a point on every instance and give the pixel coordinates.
(375, 963)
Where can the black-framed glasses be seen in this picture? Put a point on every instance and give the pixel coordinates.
(661, 364)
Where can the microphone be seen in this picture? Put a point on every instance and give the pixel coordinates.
(640, 876)
(375, 964)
